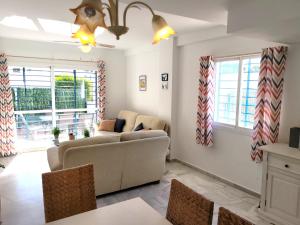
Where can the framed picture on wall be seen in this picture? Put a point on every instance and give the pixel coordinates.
(165, 77)
(143, 83)
(165, 81)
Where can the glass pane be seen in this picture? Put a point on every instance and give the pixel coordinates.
(226, 91)
(31, 88)
(75, 89)
(75, 122)
(88, 88)
(249, 83)
(33, 131)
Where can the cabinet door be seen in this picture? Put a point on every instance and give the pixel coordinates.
(283, 195)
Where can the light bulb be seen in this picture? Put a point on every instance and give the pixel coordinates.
(85, 48)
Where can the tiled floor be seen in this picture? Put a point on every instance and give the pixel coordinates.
(22, 201)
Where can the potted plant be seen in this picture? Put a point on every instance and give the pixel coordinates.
(86, 133)
(56, 133)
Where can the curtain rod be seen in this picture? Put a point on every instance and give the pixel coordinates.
(69, 60)
(236, 56)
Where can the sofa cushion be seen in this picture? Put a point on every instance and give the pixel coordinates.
(53, 161)
(130, 118)
(85, 142)
(150, 122)
(120, 123)
(107, 125)
(106, 133)
(139, 127)
(130, 136)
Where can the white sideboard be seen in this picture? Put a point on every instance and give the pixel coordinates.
(280, 199)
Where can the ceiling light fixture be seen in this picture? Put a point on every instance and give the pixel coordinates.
(85, 36)
(89, 15)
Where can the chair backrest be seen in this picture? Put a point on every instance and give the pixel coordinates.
(228, 218)
(68, 192)
(186, 207)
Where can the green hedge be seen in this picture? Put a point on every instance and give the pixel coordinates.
(40, 98)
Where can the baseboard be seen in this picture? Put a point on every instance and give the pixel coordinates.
(253, 193)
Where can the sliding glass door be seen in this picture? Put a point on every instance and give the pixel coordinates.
(47, 97)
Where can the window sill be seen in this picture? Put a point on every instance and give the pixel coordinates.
(233, 129)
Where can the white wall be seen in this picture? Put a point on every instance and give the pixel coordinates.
(155, 101)
(230, 156)
(290, 114)
(115, 64)
(151, 62)
(144, 63)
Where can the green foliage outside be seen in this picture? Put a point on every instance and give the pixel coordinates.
(56, 131)
(40, 98)
(31, 98)
(86, 133)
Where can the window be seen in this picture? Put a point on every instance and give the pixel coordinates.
(236, 87)
(28, 85)
(44, 98)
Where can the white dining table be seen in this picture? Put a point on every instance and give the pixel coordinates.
(130, 212)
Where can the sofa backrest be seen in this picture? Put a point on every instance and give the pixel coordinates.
(130, 118)
(150, 122)
(130, 136)
(122, 165)
(64, 146)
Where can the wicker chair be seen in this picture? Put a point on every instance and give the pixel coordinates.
(228, 218)
(68, 192)
(186, 207)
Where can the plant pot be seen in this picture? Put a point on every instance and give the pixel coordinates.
(71, 137)
(56, 141)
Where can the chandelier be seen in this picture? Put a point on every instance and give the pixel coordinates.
(90, 15)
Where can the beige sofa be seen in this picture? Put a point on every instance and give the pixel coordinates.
(133, 119)
(120, 162)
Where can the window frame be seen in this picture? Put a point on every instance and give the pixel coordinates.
(237, 128)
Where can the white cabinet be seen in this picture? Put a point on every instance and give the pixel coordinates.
(280, 199)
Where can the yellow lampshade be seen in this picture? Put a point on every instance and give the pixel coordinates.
(90, 13)
(85, 36)
(162, 30)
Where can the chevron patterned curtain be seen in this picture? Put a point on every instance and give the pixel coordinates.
(268, 102)
(101, 90)
(7, 121)
(205, 114)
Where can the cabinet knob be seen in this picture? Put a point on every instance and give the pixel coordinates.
(286, 166)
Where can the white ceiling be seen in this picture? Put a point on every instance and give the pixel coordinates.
(214, 11)
(139, 21)
(271, 20)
